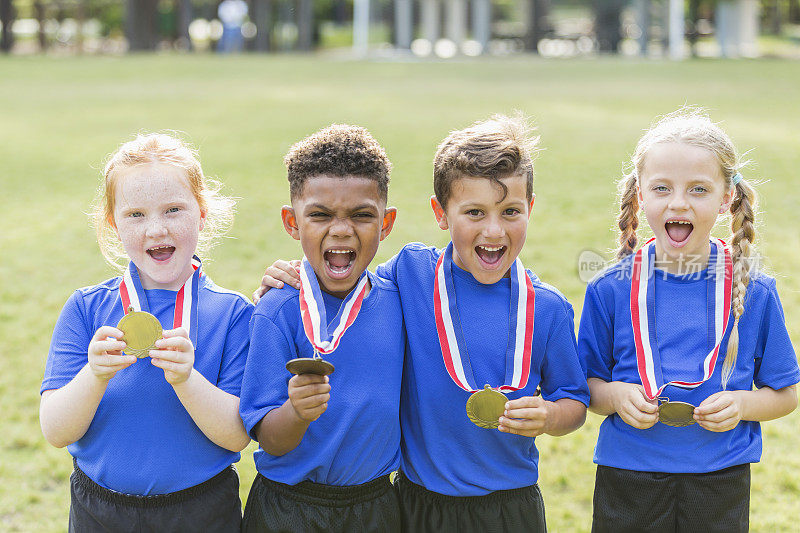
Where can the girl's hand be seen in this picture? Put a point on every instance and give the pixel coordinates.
(276, 275)
(309, 395)
(721, 411)
(632, 405)
(526, 416)
(105, 353)
(174, 354)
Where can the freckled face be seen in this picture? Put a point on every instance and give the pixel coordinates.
(682, 191)
(488, 231)
(339, 222)
(158, 221)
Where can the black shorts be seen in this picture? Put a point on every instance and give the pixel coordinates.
(211, 506)
(309, 507)
(654, 502)
(514, 510)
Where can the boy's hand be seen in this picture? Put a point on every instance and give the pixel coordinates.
(174, 354)
(632, 405)
(309, 395)
(526, 416)
(276, 275)
(721, 411)
(105, 353)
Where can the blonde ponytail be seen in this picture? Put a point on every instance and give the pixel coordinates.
(743, 236)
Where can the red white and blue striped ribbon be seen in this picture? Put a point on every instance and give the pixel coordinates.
(642, 305)
(451, 337)
(133, 296)
(322, 335)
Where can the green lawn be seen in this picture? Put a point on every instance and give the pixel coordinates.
(60, 117)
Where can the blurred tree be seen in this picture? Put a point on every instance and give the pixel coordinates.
(7, 14)
(538, 25)
(794, 11)
(262, 17)
(607, 24)
(141, 24)
(305, 24)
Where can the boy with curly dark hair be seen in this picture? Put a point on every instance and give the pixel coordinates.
(328, 442)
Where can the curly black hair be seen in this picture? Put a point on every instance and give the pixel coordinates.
(338, 150)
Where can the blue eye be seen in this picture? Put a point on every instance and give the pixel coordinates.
(136, 214)
(700, 189)
(173, 209)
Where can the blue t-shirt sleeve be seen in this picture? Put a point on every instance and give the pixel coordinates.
(234, 357)
(69, 345)
(563, 376)
(595, 345)
(776, 363)
(265, 381)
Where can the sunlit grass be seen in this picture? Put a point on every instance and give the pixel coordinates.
(58, 119)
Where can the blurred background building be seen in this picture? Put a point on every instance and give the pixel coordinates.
(406, 28)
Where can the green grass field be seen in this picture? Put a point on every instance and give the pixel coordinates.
(60, 117)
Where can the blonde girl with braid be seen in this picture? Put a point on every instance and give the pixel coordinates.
(684, 341)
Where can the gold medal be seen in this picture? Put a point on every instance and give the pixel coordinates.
(310, 365)
(676, 414)
(484, 408)
(141, 331)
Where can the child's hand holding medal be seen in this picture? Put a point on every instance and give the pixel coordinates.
(309, 395)
(105, 353)
(632, 405)
(721, 411)
(174, 354)
(526, 416)
(170, 350)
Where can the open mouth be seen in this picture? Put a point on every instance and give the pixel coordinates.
(490, 255)
(339, 262)
(678, 230)
(161, 252)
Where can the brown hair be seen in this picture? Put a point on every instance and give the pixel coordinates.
(338, 150)
(693, 127)
(165, 149)
(496, 148)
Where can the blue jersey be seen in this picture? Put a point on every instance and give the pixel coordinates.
(141, 439)
(357, 438)
(442, 449)
(685, 335)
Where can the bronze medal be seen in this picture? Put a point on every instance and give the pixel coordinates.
(310, 365)
(141, 331)
(484, 408)
(676, 414)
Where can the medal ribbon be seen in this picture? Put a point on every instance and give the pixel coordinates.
(451, 337)
(324, 336)
(132, 294)
(643, 317)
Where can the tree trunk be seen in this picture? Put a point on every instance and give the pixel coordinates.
(141, 25)
(305, 25)
(262, 17)
(538, 25)
(7, 20)
(607, 25)
(185, 13)
(39, 13)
